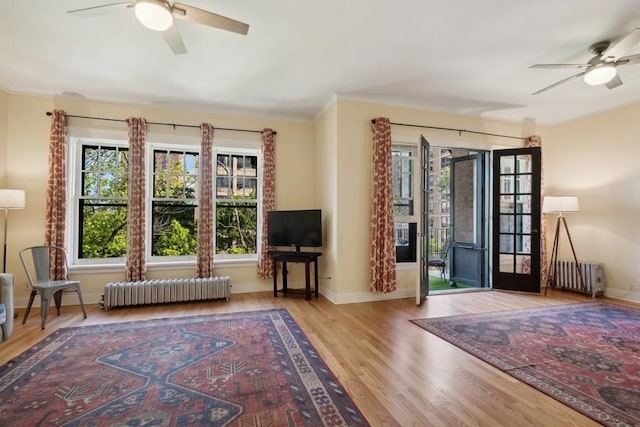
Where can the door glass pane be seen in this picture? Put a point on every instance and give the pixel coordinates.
(523, 264)
(524, 204)
(506, 224)
(464, 212)
(524, 184)
(506, 184)
(506, 243)
(523, 224)
(524, 163)
(506, 263)
(506, 204)
(507, 164)
(524, 244)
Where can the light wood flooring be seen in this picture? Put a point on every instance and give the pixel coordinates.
(396, 373)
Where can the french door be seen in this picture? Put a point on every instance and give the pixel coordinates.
(516, 219)
(423, 280)
(468, 228)
(515, 235)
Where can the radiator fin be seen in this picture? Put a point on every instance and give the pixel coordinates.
(157, 291)
(566, 275)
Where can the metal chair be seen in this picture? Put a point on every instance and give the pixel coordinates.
(441, 260)
(3, 320)
(6, 305)
(36, 262)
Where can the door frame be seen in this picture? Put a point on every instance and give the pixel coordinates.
(475, 251)
(422, 274)
(525, 281)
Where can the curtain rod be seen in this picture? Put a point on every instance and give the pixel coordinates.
(49, 113)
(460, 131)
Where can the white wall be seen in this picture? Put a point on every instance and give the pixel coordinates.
(26, 165)
(326, 125)
(354, 181)
(326, 164)
(4, 107)
(597, 159)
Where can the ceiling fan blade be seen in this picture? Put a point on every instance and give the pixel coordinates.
(174, 40)
(199, 16)
(627, 60)
(614, 82)
(104, 9)
(622, 46)
(559, 83)
(559, 66)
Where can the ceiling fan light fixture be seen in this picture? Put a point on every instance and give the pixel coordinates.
(600, 74)
(154, 14)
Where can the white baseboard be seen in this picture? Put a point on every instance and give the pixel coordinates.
(94, 298)
(68, 299)
(631, 295)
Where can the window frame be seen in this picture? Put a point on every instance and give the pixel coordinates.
(74, 192)
(259, 166)
(413, 158)
(151, 148)
(412, 149)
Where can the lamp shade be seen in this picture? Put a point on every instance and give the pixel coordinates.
(12, 199)
(600, 74)
(560, 204)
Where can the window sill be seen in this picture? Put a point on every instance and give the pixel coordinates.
(406, 265)
(160, 266)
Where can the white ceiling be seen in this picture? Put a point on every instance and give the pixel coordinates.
(461, 56)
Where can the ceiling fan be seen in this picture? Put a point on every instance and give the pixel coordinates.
(158, 15)
(601, 69)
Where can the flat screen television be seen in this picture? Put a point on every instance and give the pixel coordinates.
(299, 228)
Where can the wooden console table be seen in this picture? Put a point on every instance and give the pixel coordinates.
(289, 256)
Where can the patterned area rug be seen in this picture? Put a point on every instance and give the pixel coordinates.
(241, 369)
(585, 355)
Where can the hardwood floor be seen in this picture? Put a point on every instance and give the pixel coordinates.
(397, 373)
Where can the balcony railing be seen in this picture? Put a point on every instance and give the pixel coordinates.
(437, 239)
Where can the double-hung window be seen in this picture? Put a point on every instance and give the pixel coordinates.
(102, 187)
(403, 167)
(236, 181)
(174, 200)
(403, 159)
(98, 192)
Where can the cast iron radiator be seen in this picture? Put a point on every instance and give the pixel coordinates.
(592, 272)
(166, 290)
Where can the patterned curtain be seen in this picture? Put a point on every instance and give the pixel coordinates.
(57, 192)
(268, 193)
(382, 261)
(536, 141)
(204, 259)
(136, 264)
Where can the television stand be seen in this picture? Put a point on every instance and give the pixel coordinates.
(299, 257)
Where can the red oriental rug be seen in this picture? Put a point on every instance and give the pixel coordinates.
(238, 369)
(585, 355)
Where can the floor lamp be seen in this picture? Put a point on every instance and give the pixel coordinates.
(561, 205)
(9, 199)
